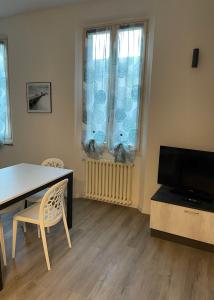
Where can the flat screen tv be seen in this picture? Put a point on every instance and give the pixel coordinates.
(187, 171)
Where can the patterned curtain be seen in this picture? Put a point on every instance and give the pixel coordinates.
(112, 91)
(5, 130)
(123, 140)
(96, 91)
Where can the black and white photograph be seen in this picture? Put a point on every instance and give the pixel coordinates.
(39, 97)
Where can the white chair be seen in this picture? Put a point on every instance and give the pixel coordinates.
(53, 162)
(18, 205)
(49, 162)
(3, 244)
(45, 214)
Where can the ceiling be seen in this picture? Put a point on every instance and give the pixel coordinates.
(13, 7)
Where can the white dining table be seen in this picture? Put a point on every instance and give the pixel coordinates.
(23, 180)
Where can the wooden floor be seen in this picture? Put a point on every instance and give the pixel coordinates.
(113, 258)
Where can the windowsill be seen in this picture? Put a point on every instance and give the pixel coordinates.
(7, 144)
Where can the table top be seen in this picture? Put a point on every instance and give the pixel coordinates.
(20, 179)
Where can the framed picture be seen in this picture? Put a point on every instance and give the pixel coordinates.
(39, 97)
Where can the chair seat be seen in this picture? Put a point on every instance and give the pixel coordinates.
(37, 197)
(29, 215)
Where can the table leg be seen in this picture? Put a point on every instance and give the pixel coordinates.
(69, 200)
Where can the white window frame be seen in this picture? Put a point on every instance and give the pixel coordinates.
(144, 65)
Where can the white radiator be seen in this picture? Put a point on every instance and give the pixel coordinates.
(108, 181)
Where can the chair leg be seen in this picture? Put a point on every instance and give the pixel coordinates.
(14, 238)
(65, 206)
(66, 228)
(44, 242)
(3, 245)
(38, 230)
(24, 227)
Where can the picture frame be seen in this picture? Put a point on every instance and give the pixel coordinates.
(39, 97)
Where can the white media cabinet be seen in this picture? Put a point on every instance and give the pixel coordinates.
(182, 219)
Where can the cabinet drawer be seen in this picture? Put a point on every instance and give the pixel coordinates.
(190, 223)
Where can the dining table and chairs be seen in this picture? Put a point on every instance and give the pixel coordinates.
(47, 184)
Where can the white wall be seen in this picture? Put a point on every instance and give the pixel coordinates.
(178, 109)
(182, 98)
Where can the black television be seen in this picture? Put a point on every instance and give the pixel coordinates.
(190, 172)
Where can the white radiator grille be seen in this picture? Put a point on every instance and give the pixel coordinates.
(108, 181)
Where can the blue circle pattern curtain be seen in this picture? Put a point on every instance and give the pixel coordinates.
(124, 125)
(96, 91)
(5, 130)
(112, 88)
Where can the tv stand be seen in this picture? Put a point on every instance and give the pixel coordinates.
(193, 200)
(182, 219)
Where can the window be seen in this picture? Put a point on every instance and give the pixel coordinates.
(5, 127)
(113, 66)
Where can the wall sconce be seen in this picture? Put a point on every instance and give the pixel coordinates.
(195, 58)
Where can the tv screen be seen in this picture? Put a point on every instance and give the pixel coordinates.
(187, 170)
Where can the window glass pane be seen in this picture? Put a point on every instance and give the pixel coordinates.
(5, 129)
(127, 89)
(129, 43)
(101, 46)
(96, 86)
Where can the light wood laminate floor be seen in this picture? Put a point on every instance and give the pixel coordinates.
(113, 258)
